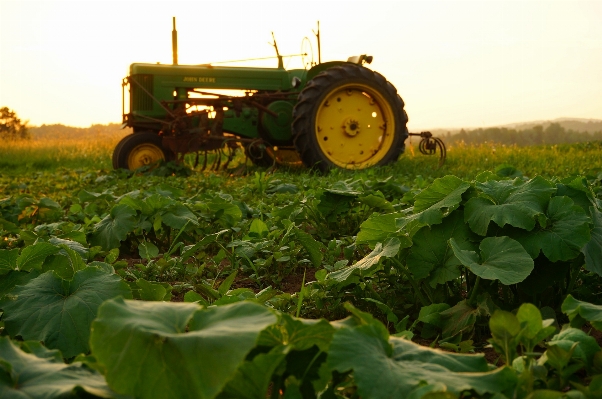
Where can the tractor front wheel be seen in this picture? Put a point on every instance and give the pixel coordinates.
(349, 117)
(140, 149)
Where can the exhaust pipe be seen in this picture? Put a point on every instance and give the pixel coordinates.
(174, 42)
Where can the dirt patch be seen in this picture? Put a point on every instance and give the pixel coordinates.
(292, 283)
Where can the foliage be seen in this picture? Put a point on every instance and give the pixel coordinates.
(553, 133)
(443, 258)
(11, 127)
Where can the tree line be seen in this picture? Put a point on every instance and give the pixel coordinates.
(536, 135)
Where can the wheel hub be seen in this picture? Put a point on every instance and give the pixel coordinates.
(143, 155)
(351, 127)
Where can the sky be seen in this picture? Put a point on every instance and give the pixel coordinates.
(456, 64)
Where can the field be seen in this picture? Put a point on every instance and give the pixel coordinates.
(288, 283)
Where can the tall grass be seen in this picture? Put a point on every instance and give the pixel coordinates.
(51, 151)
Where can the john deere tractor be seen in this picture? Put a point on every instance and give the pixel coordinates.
(337, 114)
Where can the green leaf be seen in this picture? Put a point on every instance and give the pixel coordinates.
(193, 364)
(42, 374)
(299, 334)
(444, 195)
(334, 203)
(14, 278)
(508, 202)
(252, 379)
(377, 202)
(73, 245)
(65, 263)
(502, 259)
(147, 250)
(258, 229)
(431, 254)
(593, 249)
(567, 231)
(59, 312)
(192, 296)
(458, 319)
(226, 213)
(590, 312)
(227, 283)
(34, 255)
(313, 247)
(370, 263)
(587, 346)
(505, 329)
(177, 215)
(8, 260)
(150, 291)
(431, 314)
(391, 369)
(191, 250)
(377, 228)
(114, 228)
(409, 351)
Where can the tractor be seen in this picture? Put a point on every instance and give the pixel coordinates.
(336, 114)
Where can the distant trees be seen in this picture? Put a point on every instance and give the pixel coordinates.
(537, 135)
(11, 127)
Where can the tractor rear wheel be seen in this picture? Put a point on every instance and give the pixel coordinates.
(349, 117)
(140, 149)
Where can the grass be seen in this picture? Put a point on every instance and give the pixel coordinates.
(54, 152)
(50, 153)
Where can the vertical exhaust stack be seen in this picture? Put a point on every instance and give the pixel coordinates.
(174, 42)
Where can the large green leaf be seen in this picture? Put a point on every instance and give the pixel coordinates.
(252, 379)
(508, 202)
(14, 278)
(576, 309)
(444, 195)
(185, 351)
(41, 374)
(431, 254)
(392, 369)
(502, 258)
(59, 312)
(299, 334)
(177, 216)
(565, 233)
(593, 249)
(114, 228)
(459, 319)
(368, 265)
(8, 260)
(33, 256)
(377, 228)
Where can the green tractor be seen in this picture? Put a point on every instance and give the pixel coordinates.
(336, 114)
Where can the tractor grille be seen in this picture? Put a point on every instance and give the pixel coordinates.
(140, 100)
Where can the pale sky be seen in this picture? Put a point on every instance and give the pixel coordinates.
(455, 63)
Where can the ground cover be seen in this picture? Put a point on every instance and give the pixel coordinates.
(443, 256)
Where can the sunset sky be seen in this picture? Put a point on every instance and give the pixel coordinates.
(455, 63)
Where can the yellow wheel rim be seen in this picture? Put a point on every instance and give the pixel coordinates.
(144, 154)
(355, 126)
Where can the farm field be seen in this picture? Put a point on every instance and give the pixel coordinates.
(288, 283)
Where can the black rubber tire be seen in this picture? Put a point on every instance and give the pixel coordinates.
(305, 112)
(130, 142)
